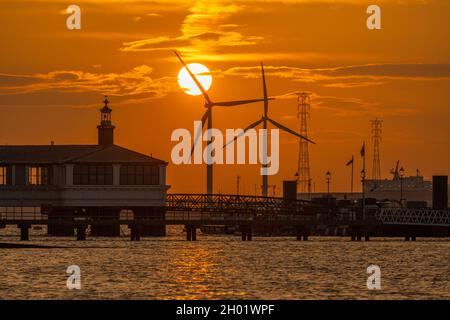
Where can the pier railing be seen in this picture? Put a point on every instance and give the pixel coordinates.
(217, 208)
(420, 217)
(233, 203)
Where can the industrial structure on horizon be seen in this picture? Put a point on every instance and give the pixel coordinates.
(376, 139)
(400, 190)
(303, 168)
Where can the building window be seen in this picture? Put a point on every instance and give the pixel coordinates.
(38, 176)
(87, 174)
(139, 175)
(3, 175)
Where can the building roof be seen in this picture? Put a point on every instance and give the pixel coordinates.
(41, 154)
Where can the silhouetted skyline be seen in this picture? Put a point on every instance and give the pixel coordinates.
(53, 79)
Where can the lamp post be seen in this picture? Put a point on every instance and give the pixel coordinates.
(401, 172)
(328, 178)
(309, 188)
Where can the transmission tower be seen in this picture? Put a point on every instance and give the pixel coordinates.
(303, 170)
(376, 139)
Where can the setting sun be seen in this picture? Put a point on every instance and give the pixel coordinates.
(188, 85)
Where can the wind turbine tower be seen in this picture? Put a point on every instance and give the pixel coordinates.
(303, 170)
(376, 139)
(207, 120)
(264, 120)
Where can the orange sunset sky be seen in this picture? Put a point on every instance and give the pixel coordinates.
(52, 80)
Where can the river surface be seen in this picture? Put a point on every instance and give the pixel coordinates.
(224, 267)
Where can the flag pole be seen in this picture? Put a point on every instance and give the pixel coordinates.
(352, 176)
(364, 180)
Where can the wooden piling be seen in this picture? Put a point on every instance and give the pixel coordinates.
(81, 232)
(135, 232)
(194, 233)
(24, 232)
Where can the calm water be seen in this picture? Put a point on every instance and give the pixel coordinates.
(223, 267)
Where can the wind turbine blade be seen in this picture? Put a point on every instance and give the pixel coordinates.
(266, 100)
(254, 124)
(236, 103)
(200, 132)
(197, 83)
(280, 126)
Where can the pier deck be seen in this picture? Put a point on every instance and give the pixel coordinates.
(247, 212)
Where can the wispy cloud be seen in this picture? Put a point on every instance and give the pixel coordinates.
(133, 84)
(351, 106)
(204, 30)
(344, 106)
(350, 76)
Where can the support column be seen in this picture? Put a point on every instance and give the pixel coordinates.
(299, 233)
(188, 233)
(24, 232)
(194, 233)
(191, 233)
(246, 233)
(305, 234)
(135, 232)
(81, 232)
(137, 236)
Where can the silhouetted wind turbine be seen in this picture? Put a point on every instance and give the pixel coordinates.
(208, 117)
(264, 120)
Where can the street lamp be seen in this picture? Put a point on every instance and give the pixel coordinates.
(309, 188)
(328, 177)
(402, 174)
(363, 176)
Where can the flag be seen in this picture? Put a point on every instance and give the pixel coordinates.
(363, 150)
(350, 162)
